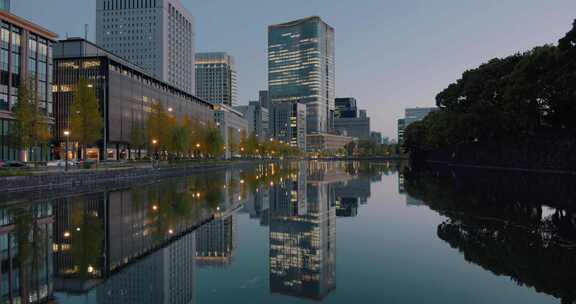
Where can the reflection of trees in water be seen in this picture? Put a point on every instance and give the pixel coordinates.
(499, 221)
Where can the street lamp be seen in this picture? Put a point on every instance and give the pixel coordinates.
(67, 134)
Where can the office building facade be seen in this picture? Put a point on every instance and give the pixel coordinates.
(324, 142)
(157, 35)
(125, 92)
(264, 99)
(301, 69)
(257, 117)
(358, 127)
(346, 107)
(288, 123)
(411, 115)
(5, 5)
(25, 55)
(216, 78)
(233, 127)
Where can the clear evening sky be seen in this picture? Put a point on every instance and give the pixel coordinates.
(389, 54)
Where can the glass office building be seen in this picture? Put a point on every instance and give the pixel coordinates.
(25, 54)
(301, 68)
(126, 93)
(216, 78)
(5, 5)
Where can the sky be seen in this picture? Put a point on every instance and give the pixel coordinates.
(389, 54)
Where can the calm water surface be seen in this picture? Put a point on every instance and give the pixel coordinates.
(299, 232)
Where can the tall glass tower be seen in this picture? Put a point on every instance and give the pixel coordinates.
(301, 68)
(5, 5)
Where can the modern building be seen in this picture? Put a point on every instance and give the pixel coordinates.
(325, 142)
(216, 78)
(25, 55)
(357, 127)
(401, 129)
(376, 137)
(157, 35)
(288, 123)
(125, 91)
(346, 107)
(412, 115)
(5, 5)
(301, 69)
(264, 99)
(257, 117)
(233, 127)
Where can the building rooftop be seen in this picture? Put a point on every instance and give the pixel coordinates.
(23, 23)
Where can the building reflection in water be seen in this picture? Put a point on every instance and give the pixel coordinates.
(142, 244)
(26, 253)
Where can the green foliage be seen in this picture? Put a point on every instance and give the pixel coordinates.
(159, 127)
(30, 127)
(85, 117)
(504, 100)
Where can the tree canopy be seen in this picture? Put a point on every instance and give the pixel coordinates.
(506, 99)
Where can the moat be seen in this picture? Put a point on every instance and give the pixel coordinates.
(333, 232)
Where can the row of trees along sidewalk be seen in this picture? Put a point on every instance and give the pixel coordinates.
(161, 132)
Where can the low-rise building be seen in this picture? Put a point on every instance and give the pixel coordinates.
(322, 142)
(125, 92)
(411, 115)
(233, 127)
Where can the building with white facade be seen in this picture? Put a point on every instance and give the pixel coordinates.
(216, 78)
(157, 35)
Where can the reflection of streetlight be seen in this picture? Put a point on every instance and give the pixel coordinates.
(67, 134)
(154, 142)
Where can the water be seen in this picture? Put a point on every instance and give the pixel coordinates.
(299, 232)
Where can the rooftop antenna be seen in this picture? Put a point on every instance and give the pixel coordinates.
(86, 31)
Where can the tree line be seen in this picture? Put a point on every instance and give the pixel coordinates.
(510, 99)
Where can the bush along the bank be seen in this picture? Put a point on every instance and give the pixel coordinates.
(510, 101)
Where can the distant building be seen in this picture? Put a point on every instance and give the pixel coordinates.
(288, 123)
(5, 5)
(264, 99)
(122, 109)
(155, 35)
(216, 78)
(321, 142)
(233, 126)
(301, 68)
(26, 53)
(257, 117)
(346, 107)
(376, 137)
(401, 129)
(358, 127)
(411, 115)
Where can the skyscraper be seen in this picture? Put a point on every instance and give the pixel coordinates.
(216, 78)
(301, 68)
(157, 35)
(288, 123)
